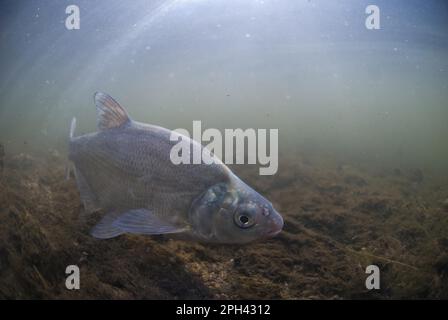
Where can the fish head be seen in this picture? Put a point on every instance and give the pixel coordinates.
(233, 213)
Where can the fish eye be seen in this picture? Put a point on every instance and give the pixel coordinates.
(244, 220)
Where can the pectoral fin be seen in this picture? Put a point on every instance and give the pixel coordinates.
(138, 221)
(105, 228)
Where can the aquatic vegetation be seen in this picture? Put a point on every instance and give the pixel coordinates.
(322, 252)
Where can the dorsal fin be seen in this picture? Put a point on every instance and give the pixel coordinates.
(109, 112)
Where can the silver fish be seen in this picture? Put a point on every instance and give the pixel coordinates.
(125, 170)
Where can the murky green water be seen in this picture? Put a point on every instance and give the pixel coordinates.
(309, 68)
(362, 121)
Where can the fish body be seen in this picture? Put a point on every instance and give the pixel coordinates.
(125, 170)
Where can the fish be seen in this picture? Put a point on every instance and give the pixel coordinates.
(124, 171)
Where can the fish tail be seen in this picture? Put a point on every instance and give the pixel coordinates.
(72, 128)
(68, 171)
(69, 166)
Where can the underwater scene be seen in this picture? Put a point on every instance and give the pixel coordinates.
(224, 149)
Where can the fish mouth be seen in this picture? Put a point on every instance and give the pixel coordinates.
(276, 226)
(273, 233)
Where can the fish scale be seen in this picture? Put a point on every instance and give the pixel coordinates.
(125, 170)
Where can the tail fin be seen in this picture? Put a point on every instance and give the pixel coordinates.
(70, 136)
(72, 128)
